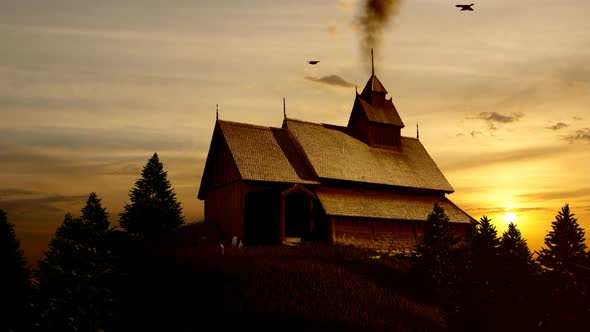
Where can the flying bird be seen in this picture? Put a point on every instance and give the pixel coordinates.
(313, 62)
(465, 7)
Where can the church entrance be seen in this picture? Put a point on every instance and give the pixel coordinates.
(296, 214)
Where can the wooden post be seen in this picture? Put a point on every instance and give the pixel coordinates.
(282, 223)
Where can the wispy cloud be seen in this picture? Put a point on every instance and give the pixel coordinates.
(510, 156)
(557, 126)
(475, 133)
(581, 135)
(558, 194)
(578, 118)
(495, 119)
(333, 80)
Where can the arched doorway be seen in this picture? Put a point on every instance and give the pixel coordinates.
(296, 213)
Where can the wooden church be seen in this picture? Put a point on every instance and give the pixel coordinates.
(362, 184)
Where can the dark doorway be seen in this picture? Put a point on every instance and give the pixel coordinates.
(262, 217)
(297, 215)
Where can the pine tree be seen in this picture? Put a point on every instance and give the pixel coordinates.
(435, 262)
(484, 250)
(75, 274)
(15, 285)
(514, 253)
(153, 209)
(519, 285)
(565, 244)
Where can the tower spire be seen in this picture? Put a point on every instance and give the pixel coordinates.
(372, 63)
(417, 131)
(284, 109)
(216, 111)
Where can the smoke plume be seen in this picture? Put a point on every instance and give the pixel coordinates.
(374, 15)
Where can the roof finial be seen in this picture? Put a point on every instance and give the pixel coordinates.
(284, 109)
(417, 131)
(356, 89)
(216, 111)
(372, 63)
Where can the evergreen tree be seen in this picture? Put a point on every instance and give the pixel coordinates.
(15, 285)
(75, 275)
(479, 279)
(153, 209)
(435, 262)
(519, 285)
(514, 253)
(484, 250)
(565, 244)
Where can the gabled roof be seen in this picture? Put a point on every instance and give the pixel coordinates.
(384, 113)
(335, 155)
(266, 153)
(374, 85)
(386, 205)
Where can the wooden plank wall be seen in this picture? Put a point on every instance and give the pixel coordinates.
(225, 207)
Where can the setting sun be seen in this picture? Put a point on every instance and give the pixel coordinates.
(509, 217)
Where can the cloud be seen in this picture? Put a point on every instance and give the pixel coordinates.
(10, 192)
(45, 203)
(510, 156)
(475, 133)
(497, 209)
(580, 135)
(557, 126)
(333, 80)
(495, 119)
(578, 118)
(557, 194)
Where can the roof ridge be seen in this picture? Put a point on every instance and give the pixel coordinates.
(248, 125)
(303, 121)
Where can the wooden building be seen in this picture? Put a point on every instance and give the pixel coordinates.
(363, 184)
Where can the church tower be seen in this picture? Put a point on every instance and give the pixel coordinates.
(374, 119)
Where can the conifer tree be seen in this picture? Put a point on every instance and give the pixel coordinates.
(514, 253)
(484, 250)
(74, 276)
(434, 254)
(565, 244)
(15, 285)
(154, 208)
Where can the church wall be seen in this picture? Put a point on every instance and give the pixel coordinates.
(225, 207)
(383, 234)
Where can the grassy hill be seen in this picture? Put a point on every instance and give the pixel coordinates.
(184, 283)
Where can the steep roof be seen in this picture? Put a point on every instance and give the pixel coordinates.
(333, 154)
(385, 113)
(374, 85)
(266, 153)
(387, 205)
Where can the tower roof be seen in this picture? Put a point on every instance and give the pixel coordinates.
(373, 85)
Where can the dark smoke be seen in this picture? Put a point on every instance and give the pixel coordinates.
(373, 17)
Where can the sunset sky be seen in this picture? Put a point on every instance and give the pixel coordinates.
(89, 90)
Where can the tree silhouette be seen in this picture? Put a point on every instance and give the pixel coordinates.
(479, 278)
(153, 209)
(484, 250)
(567, 282)
(518, 287)
(435, 262)
(15, 285)
(565, 244)
(75, 274)
(514, 253)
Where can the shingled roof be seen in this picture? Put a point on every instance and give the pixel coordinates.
(387, 205)
(266, 153)
(333, 154)
(384, 113)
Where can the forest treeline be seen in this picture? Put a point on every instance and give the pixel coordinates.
(88, 278)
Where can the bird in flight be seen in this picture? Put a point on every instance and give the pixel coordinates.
(313, 62)
(465, 7)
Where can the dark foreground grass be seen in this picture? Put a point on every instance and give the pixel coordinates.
(183, 283)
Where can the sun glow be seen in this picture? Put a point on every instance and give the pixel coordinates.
(509, 217)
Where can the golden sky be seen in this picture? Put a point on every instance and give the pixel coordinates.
(91, 89)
